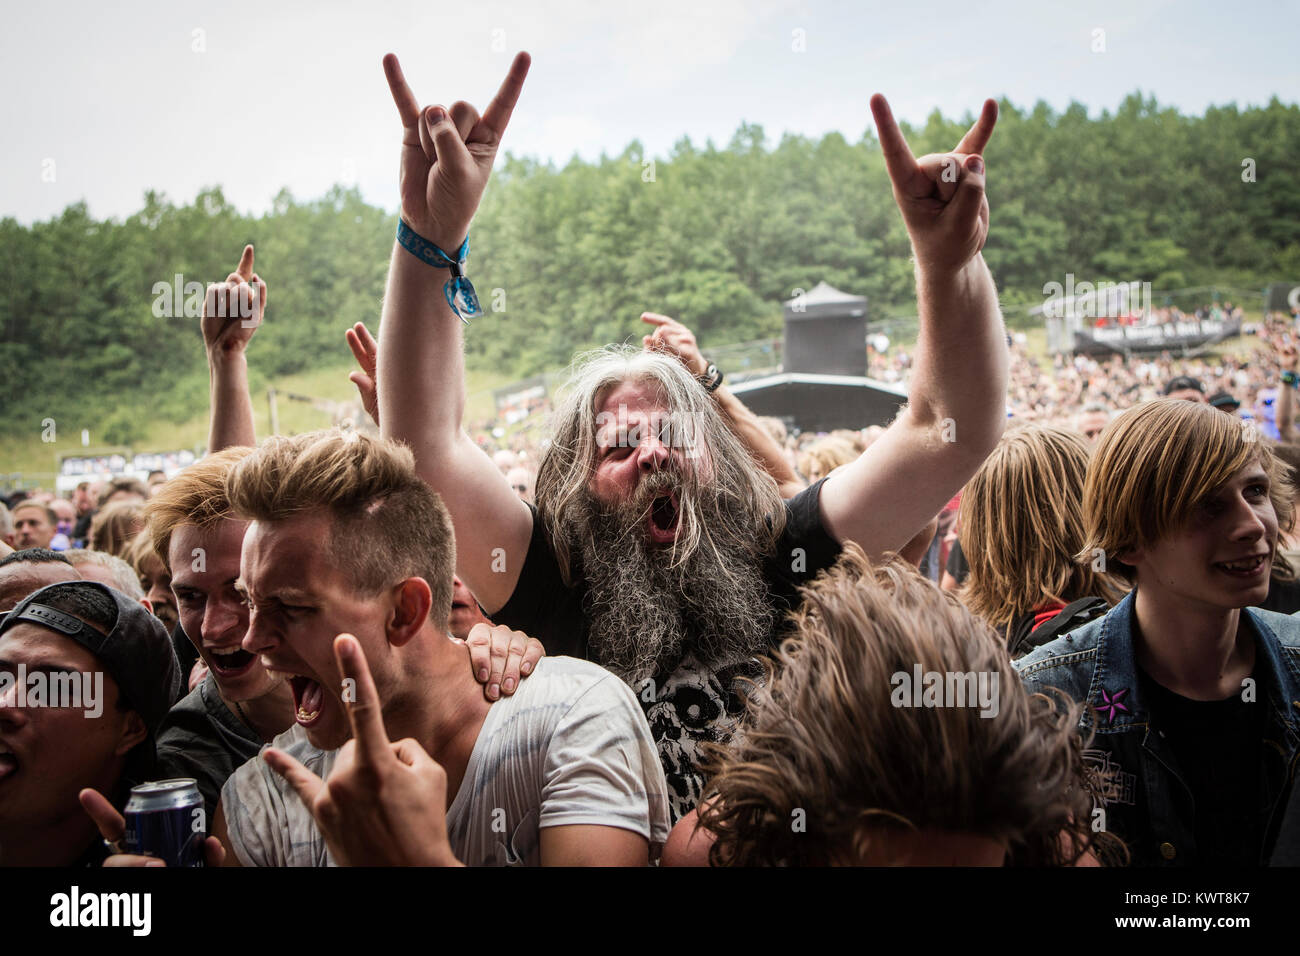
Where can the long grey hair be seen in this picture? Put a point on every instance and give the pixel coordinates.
(745, 497)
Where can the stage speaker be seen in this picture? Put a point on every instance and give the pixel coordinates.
(825, 332)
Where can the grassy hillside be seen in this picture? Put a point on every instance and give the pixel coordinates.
(37, 460)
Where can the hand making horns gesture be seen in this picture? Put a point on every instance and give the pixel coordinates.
(447, 155)
(941, 195)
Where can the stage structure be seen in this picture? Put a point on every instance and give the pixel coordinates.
(1107, 318)
(822, 384)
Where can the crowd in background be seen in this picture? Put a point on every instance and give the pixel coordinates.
(1240, 376)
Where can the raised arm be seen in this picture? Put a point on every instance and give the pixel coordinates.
(232, 311)
(446, 161)
(957, 402)
(671, 336)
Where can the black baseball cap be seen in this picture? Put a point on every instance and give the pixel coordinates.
(1182, 382)
(1224, 400)
(137, 652)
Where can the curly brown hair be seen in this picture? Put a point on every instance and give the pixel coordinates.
(823, 737)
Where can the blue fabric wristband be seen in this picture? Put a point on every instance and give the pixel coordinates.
(459, 291)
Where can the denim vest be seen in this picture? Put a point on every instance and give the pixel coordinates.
(1149, 806)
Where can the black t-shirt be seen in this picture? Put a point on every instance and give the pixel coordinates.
(1218, 745)
(695, 703)
(201, 738)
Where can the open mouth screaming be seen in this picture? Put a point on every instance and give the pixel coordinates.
(308, 700)
(232, 663)
(664, 516)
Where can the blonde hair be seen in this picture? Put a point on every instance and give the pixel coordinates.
(750, 495)
(387, 524)
(1157, 462)
(1021, 520)
(195, 496)
(850, 437)
(115, 525)
(825, 735)
(825, 455)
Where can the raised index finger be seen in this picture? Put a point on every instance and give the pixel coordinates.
(654, 318)
(497, 114)
(899, 160)
(245, 269)
(407, 106)
(977, 137)
(363, 711)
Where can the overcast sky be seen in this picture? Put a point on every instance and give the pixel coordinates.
(175, 95)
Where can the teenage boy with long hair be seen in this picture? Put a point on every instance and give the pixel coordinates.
(1191, 686)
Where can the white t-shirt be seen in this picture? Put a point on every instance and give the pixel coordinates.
(571, 746)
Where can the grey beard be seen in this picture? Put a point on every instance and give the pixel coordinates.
(644, 613)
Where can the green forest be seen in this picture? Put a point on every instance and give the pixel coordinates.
(566, 258)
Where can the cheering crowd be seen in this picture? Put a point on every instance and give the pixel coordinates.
(675, 634)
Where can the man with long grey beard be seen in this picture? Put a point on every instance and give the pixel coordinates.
(645, 610)
(680, 632)
(657, 547)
